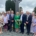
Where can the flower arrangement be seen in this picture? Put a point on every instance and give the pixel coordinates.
(18, 22)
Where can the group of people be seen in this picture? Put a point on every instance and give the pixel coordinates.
(9, 20)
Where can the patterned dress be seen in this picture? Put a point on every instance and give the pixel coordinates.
(34, 22)
(1, 23)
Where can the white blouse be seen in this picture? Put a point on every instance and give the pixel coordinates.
(21, 17)
(5, 19)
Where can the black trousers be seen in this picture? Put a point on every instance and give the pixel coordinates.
(10, 26)
(22, 28)
(28, 28)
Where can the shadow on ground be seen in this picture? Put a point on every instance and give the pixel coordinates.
(14, 34)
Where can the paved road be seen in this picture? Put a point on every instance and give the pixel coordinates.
(14, 34)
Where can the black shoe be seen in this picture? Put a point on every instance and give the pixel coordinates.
(27, 33)
(20, 32)
(10, 30)
(13, 30)
(23, 33)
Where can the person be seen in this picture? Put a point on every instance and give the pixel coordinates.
(2, 13)
(16, 18)
(23, 19)
(1, 24)
(31, 30)
(8, 15)
(5, 21)
(28, 22)
(12, 21)
(34, 24)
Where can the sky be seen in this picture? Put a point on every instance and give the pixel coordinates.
(27, 5)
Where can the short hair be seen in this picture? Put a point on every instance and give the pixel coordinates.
(35, 14)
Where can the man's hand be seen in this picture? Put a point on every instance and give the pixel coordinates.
(12, 20)
(26, 22)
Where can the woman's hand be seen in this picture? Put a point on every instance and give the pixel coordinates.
(33, 24)
(12, 20)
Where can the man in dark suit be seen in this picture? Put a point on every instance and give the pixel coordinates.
(23, 19)
(28, 21)
(12, 21)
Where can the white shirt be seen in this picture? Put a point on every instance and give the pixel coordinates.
(8, 16)
(21, 17)
(5, 19)
(12, 15)
(27, 17)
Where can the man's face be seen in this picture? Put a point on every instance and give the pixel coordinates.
(12, 12)
(27, 13)
(21, 12)
(8, 12)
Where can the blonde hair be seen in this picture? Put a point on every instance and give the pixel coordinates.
(17, 13)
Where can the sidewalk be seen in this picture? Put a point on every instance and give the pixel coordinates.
(13, 34)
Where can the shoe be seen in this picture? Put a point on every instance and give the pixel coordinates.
(23, 33)
(9, 31)
(20, 32)
(27, 33)
(13, 30)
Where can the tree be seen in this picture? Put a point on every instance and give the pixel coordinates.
(10, 4)
(35, 9)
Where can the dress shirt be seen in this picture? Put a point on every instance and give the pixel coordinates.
(27, 17)
(8, 16)
(21, 17)
(12, 15)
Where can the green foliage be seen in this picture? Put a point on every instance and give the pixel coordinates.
(35, 9)
(10, 4)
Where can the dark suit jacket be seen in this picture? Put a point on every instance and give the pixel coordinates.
(24, 18)
(11, 18)
(29, 19)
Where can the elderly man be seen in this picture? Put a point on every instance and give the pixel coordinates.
(28, 22)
